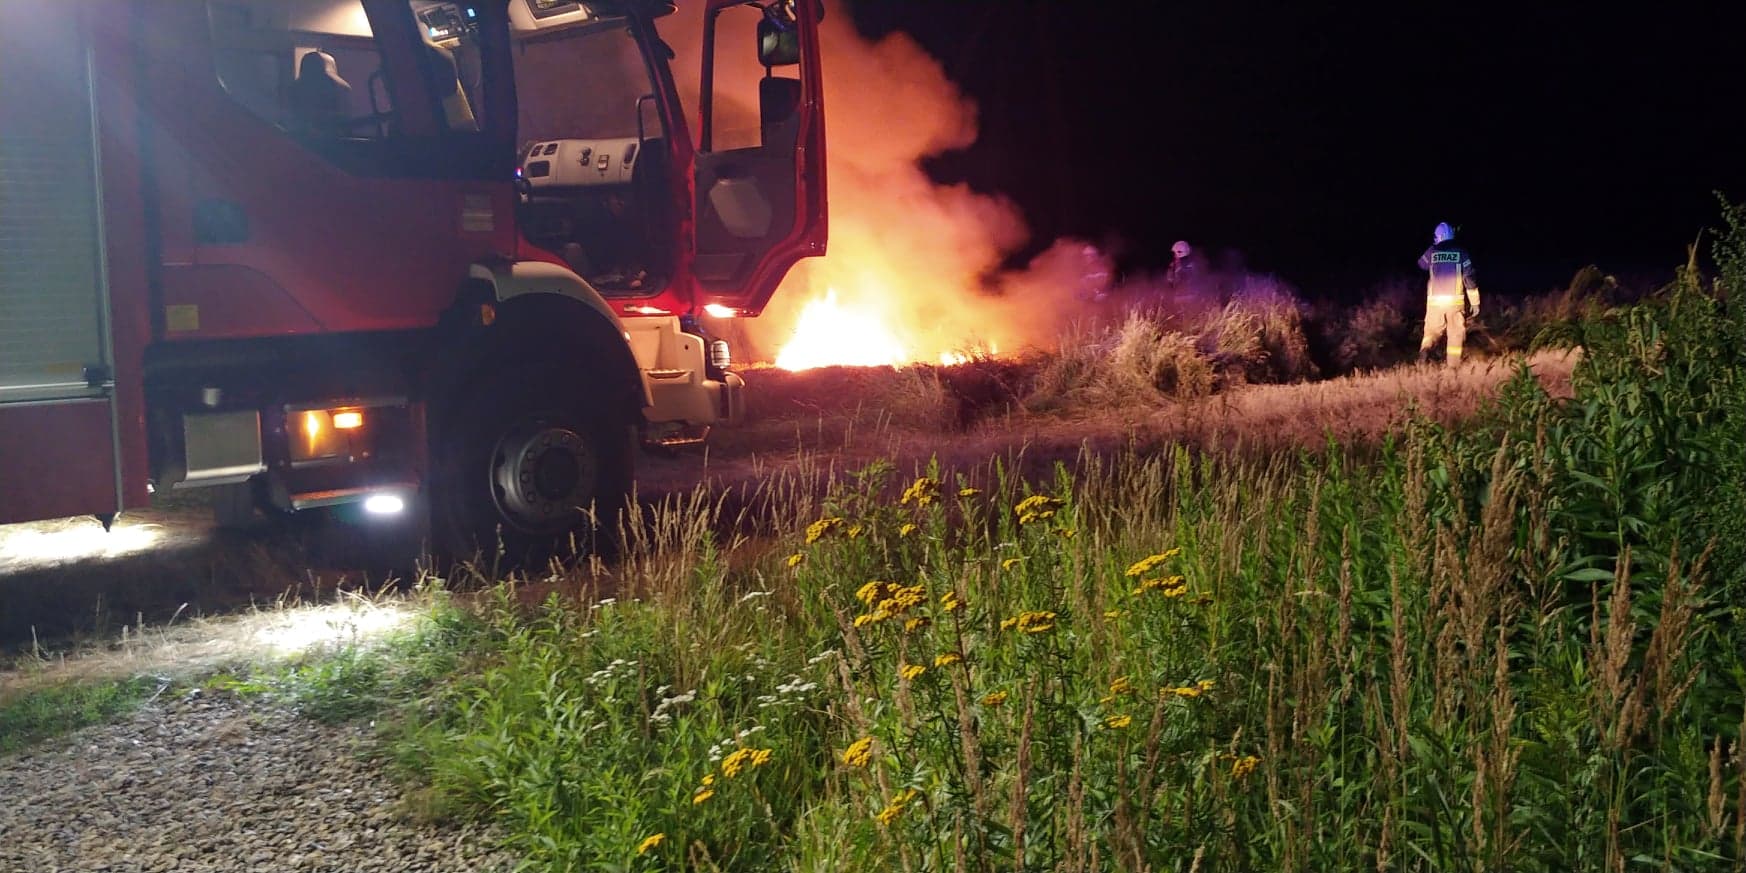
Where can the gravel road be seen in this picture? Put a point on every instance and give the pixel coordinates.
(217, 783)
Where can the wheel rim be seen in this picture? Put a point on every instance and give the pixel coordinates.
(542, 476)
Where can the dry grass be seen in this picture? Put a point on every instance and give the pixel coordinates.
(815, 424)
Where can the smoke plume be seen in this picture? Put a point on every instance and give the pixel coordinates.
(922, 258)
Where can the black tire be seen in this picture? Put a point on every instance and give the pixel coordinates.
(528, 464)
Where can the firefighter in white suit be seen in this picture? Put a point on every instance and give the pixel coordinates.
(1451, 295)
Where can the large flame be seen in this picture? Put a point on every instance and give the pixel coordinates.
(829, 333)
(914, 273)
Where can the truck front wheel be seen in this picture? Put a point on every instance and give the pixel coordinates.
(523, 461)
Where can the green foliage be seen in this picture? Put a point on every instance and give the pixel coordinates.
(1487, 648)
(34, 716)
(360, 680)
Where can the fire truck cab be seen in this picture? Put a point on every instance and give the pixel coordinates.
(406, 254)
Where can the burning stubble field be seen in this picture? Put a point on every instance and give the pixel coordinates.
(1454, 634)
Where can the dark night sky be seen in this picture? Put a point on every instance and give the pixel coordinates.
(1324, 142)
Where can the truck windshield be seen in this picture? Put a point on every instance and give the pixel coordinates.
(582, 84)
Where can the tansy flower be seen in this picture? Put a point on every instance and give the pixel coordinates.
(1184, 691)
(1244, 766)
(702, 795)
(1118, 722)
(1112, 614)
(709, 778)
(653, 841)
(1144, 565)
(733, 763)
(760, 757)
(1205, 684)
(950, 601)
(1034, 622)
(1121, 686)
(1010, 563)
(969, 492)
(1066, 533)
(1171, 586)
(854, 532)
(911, 671)
(874, 590)
(994, 699)
(795, 559)
(948, 658)
(915, 624)
(1036, 508)
(817, 530)
(895, 808)
(907, 529)
(922, 492)
(859, 752)
(868, 618)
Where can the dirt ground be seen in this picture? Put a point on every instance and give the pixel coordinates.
(69, 580)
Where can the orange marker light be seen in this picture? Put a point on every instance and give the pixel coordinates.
(348, 420)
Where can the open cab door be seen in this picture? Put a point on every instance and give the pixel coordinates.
(760, 165)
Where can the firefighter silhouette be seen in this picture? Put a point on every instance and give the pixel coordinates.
(1451, 295)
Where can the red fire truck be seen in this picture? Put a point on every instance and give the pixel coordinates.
(440, 257)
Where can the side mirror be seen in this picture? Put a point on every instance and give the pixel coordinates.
(778, 43)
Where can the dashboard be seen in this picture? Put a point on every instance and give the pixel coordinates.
(571, 163)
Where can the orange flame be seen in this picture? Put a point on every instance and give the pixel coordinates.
(829, 333)
(914, 273)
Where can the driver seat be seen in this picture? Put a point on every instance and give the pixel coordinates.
(319, 96)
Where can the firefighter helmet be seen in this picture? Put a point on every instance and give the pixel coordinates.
(1443, 233)
(1180, 249)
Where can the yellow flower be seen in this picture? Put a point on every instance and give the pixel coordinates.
(653, 841)
(709, 778)
(1144, 565)
(872, 591)
(732, 764)
(868, 618)
(907, 529)
(915, 624)
(1172, 586)
(911, 671)
(1010, 563)
(1205, 684)
(969, 492)
(1118, 722)
(1066, 532)
(1244, 766)
(895, 808)
(1121, 686)
(1037, 507)
(702, 795)
(1113, 614)
(818, 529)
(760, 757)
(922, 492)
(854, 532)
(1184, 691)
(859, 752)
(795, 559)
(950, 601)
(1032, 622)
(948, 658)
(994, 699)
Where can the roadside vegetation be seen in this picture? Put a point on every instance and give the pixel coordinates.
(1512, 642)
(1512, 645)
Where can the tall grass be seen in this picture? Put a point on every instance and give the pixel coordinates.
(1504, 647)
